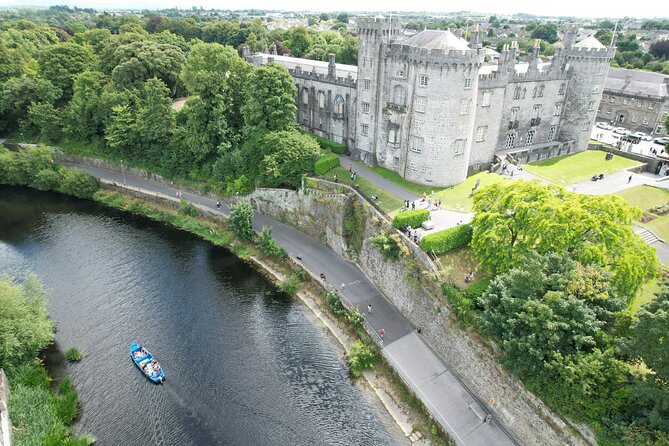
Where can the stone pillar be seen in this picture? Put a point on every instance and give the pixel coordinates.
(332, 67)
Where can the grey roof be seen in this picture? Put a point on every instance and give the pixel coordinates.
(636, 82)
(310, 65)
(432, 39)
(589, 43)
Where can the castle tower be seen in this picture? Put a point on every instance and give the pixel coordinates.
(586, 66)
(374, 37)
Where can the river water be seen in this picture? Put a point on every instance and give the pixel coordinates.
(245, 365)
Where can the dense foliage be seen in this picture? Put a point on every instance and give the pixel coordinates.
(388, 244)
(514, 219)
(447, 240)
(411, 218)
(325, 163)
(241, 220)
(360, 358)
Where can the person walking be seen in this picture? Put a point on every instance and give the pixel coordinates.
(629, 179)
(381, 333)
(369, 308)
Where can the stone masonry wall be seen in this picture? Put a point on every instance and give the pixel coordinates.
(415, 292)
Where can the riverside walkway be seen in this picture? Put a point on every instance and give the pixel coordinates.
(457, 410)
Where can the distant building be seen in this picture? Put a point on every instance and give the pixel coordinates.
(636, 100)
(432, 109)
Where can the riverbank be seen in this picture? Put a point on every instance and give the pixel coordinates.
(407, 411)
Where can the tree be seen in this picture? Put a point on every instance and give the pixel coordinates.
(285, 157)
(61, 63)
(84, 116)
(25, 328)
(241, 220)
(660, 49)
(121, 133)
(649, 340)
(47, 118)
(299, 41)
(545, 31)
(96, 38)
(18, 93)
(270, 101)
(342, 17)
(514, 219)
(154, 121)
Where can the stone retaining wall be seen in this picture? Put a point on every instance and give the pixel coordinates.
(410, 284)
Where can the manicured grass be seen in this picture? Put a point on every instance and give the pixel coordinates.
(644, 197)
(645, 295)
(570, 169)
(395, 177)
(660, 226)
(387, 201)
(459, 198)
(458, 263)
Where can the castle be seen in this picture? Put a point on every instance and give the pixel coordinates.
(431, 108)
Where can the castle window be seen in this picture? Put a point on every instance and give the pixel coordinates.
(468, 83)
(612, 100)
(400, 96)
(562, 87)
(591, 105)
(658, 129)
(514, 113)
(459, 146)
(305, 96)
(421, 103)
(321, 99)
(558, 109)
(541, 91)
(510, 140)
(586, 126)
(392, 136)
(537, 110)
(464, 106)
(367, 84)
(339, 105)
(486, 99)
(551, 132)
(481, 133)
(534, 92)
(524, 92)
(626, 101)
(516, 93)
(530, 137)
(645, 120)
(422, 80)
(639, 104)
(365, 107)
(365, 129)
(600, 70)
(595, 89)
(609, 111)
(633, 117)
(650, 106)
(417, 144)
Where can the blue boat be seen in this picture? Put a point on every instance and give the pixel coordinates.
(147, 363)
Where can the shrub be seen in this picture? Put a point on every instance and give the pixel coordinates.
(187, 209)
(47, 179)
(326, 163)
(411, 218)
(73, 354)
(241, 220)
(334, 302)
(476, 289)
(387, 244)
(332, 146)
(447, 240)
(462, 306)
(269, 246)
(360, 358)
(356, 318)
(78, 183)
(354, 226)
(660, 208)
(291, 285)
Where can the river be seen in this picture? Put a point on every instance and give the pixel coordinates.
(245, 364)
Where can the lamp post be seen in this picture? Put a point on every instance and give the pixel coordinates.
(122, 172)
(22, 138)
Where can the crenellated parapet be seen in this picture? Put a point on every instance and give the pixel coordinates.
(451, 60)
(298, 73)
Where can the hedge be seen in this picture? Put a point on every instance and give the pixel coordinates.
(411, 218)
(447, 240)
(476, 289)
(460, 303)
(325, 163)
(332, 146)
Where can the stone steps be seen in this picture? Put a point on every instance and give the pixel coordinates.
(646, 235)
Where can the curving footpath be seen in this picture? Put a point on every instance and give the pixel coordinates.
(451, 404)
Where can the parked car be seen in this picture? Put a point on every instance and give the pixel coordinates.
(642, 136)
(621, 131)
(604, 125)
(663, 141)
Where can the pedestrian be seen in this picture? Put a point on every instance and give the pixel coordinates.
(512, 173)
(352, 177)
(439, 203)
(369, 308)
(413, 205)
(350, 168)
(355, 175)
(381, 333)
(323, 277)
(343, 285)
(218, 204)
(336, 179)
(429, 204)
(629, 179)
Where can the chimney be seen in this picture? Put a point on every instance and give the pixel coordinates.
(332, 67)
(475, 38)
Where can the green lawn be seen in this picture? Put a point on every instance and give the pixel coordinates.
(395, 177)
(645, 197)
(387, 201)
(570, 169)
(645, 295)
(458, 263)
(459, 198)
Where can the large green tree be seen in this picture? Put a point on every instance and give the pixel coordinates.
(17, 93)
(61, 63)
(514, 219)
(284, 157)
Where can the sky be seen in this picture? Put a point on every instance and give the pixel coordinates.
(577, 8)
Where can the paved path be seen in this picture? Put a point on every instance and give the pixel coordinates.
(450, 402)
(378, 180)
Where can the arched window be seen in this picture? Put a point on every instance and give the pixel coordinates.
(339, 105)
(400, 96)
(305, 96)
(392, 135)
(321, 99)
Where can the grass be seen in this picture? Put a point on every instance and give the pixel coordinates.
(387, 201)
(458, 263)
(645, 295)
(645, 197)
(459, 198)
(570, 169)
(660, 226)
(73, 354)
(395, 177)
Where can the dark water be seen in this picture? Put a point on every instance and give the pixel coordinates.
(245, 365)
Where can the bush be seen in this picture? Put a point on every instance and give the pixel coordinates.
(73, 354)
(360, 358)
(356, 318)
(411, 218)
(660, 208)
(241, 220)
(447, 240)
(326, 163)
(187, 209)
(387, 244)
(78, 183)
(334, 302)
(269, 246)
(46, 179)
(460, 303)
(476, 289)
(332, 146)
(291, 285)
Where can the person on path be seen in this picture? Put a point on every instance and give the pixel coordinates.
(350, 168)
(413, 205)
(382, 332)
(323, 277)
(336, 179)
(369, 308)
(629, 179)
(218, 204)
